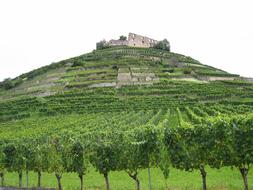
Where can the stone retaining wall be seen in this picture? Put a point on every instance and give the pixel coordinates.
(135, 78)
(214, 78)
(248, 79)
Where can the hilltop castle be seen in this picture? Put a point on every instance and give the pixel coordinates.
(133, 40)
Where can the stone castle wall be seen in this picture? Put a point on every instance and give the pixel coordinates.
(214, 78)
(118, 42)
(134, 40)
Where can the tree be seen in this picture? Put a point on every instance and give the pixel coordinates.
(189, 148)
(141, 149)
(7, 84)
(28, 154)
(56, 158)
(132, 157)
(200, 150)
(163, 45)
(78, 159)
(2, 168)
(14, 158)
(232, 139)
(105, 154)
(102, 45)
(164, 164)
(104, 161)
(187, 71)
(243, 145)
(123, 38)
(40, 161)
(10, 83)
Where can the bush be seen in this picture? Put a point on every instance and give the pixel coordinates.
(123, 38)
(168, 70)
(163, 45)
(187, 71)
(102, 45)
(77, 63)
(9, 83)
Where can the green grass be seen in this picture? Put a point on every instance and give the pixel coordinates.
(222, 179)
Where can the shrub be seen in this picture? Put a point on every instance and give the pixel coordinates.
(187, 71)
(102, 45)
(123, 38)
(9, 83)
(163, 45)
(77, 63)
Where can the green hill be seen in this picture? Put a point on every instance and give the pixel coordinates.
(102, 67)
(119, 78)
(127, 109)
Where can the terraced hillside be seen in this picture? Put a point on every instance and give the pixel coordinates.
(119, 78)
(125, 109)
(116, 66)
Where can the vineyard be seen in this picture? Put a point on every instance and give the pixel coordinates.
(187, 139)
(56, 122)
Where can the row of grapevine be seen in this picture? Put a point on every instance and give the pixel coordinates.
(160, 95)
(127, 141)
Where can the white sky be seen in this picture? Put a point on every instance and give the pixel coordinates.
(34, 33)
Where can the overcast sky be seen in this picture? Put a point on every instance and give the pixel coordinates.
(34, 33)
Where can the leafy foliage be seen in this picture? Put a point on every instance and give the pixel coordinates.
(124, 38)
(163, 45)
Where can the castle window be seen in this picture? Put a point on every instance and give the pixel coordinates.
(143, 41)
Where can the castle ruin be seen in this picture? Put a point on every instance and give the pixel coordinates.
(133, 40)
